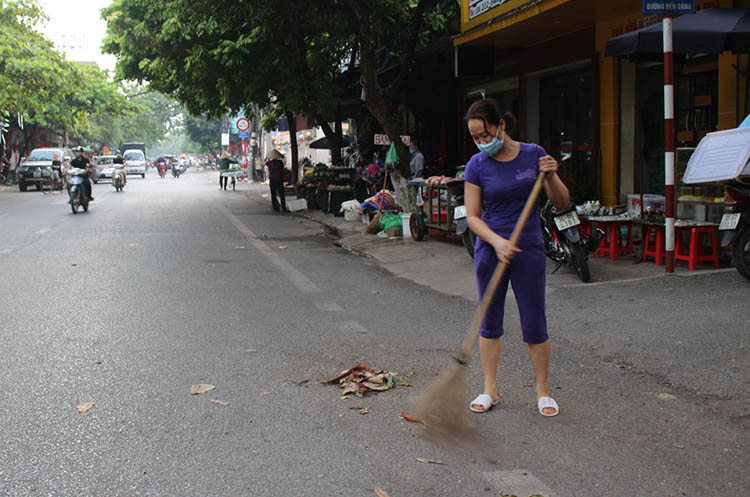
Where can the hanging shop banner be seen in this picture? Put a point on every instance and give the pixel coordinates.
(721, 155)
(384, 140)
(479, 7)
(679, 7)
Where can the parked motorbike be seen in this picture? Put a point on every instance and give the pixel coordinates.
(76, 189)
(462, 226)
(736, 226)
(118, 173)
(563, 242)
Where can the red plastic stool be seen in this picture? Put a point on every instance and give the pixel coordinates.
(695, 254)
(613, 245)
(654, 248)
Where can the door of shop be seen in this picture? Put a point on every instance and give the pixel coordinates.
(566, 130)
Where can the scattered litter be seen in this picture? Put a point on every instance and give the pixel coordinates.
(406, 417)
(131, 245)
(381, 493)
(300, 382)
(358, 408)
(361, 379)
(283, 246)
(251, 350)
(218, 227)
(220, 402)
(375, 292)
(85, 406)
(262, 394)
(430, 461)
(364, 411)
(99, 361)
(201, 388)
(239, 247)
(74, 265)
(526, 385)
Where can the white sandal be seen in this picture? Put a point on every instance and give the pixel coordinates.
(484, 400)
(544, 403)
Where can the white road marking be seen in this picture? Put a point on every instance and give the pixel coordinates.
(42, 231)
(518, 482)
(328, 306)
(292, 273)
(349, 327)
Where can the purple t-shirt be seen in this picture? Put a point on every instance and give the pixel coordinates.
(505, 188)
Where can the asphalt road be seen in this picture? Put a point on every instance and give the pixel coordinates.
(171, 283)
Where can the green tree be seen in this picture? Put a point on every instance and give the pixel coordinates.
(204, 132)
(37, 83)
(220, 56)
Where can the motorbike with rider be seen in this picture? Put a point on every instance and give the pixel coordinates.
(79, 190)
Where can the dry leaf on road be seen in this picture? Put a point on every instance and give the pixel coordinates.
(430, 461)
(201, 388)
(364, 411)
(85, 406)
(262, 394)
(251, 350)
(407, 417)
(283, 246)
(382, 493)
(220, 402)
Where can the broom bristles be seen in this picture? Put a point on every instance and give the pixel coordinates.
(443, 406)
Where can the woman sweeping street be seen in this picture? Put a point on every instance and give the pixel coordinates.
(498, 181)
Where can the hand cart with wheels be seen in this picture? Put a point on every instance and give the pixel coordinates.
(443, 210)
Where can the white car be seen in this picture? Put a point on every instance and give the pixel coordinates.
(135, 162)
(104, 167)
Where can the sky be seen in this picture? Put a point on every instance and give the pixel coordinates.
(76, 28)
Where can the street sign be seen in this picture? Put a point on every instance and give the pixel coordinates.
(242, 124)
(243, 134)
(675, 7)
(381, 139)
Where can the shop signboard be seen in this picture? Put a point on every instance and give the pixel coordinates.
(674, 7)
(720, 156)
(384, 140)
(224, 139)
(479, 7)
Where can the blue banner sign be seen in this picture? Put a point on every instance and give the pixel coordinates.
(678, 7)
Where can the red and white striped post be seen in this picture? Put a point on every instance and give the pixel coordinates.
(669, 234)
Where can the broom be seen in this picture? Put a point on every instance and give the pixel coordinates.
(443, 407)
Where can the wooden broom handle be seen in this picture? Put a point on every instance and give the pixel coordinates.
(489, 293)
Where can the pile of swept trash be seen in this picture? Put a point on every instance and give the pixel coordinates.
(362, 379)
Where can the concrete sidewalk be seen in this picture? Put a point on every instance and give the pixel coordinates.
(444, 265)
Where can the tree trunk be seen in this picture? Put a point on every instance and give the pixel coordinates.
(293, 145)
(379, 98)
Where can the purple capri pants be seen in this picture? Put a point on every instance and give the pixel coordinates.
(527, 274)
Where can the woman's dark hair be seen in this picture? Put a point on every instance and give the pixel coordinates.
(488, 110)
(417, 143)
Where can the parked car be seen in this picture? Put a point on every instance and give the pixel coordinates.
(135, 162)
(37, 167)
(104, 167)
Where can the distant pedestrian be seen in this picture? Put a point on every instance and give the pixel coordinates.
(223, 168)
(416, 164)
(276, 179)
(498, 181)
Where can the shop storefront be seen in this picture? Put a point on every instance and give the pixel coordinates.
(602, 115)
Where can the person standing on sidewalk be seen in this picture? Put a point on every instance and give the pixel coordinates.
(416, 164)
(223, 168)
(276, 179)
(498, 180)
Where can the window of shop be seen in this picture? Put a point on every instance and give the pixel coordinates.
(565, 129)
(697, 110)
